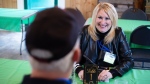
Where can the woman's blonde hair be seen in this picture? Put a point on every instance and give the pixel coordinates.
(112, 13)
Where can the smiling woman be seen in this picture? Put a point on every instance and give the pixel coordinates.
(104, 44)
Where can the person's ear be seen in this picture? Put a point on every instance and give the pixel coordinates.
(76, 55)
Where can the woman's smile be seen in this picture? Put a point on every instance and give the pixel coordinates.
(103, 22)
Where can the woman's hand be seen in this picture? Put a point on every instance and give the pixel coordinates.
(105, 75)
(80, 74)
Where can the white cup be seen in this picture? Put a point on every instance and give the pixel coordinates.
(121, 81)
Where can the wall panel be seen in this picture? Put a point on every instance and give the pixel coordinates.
(85, 6)
(8, 3)
(1, 1)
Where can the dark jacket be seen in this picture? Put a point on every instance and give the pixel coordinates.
(119, 46)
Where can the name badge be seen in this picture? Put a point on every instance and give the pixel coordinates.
(109, 57)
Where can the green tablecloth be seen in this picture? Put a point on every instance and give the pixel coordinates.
(10, 19)
(134, 76)
(12, 72)
(128, 26)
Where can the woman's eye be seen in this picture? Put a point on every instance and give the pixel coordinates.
(100, 17)
(107, 18)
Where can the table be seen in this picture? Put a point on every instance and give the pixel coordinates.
(12, 72)
(127, 26)
(134, 76)
(14, 20)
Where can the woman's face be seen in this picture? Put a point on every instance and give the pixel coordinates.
(103, 22)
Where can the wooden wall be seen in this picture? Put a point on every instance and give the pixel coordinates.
(140, 4)
(8, 3)
(120, 5)
(125, 4)
(85, 6)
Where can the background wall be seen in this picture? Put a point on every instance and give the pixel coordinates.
(61, 3)
(20, 4)
(85, 6)
(32, 4)
(8, 3)
(120, 5)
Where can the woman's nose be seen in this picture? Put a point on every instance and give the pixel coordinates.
(103, 21)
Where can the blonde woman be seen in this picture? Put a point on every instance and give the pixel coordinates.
(104, 44)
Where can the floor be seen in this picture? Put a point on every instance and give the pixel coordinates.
(10, 45)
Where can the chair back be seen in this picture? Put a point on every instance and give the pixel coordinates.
(141, 35)
(134, 14)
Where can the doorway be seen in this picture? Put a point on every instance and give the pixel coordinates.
(39, 4)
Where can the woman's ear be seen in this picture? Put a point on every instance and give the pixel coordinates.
(76, 55)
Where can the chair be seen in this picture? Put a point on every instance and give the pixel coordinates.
(141, 36)
(134, 14)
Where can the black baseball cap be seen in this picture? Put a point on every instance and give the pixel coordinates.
(53, 33)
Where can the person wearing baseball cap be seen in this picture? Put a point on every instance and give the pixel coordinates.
(53, 45)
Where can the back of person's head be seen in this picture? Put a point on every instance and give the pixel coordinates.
(52, 38)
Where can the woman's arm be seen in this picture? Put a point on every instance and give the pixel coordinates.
(125, 56)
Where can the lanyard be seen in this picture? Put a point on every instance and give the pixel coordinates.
(102, 47)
